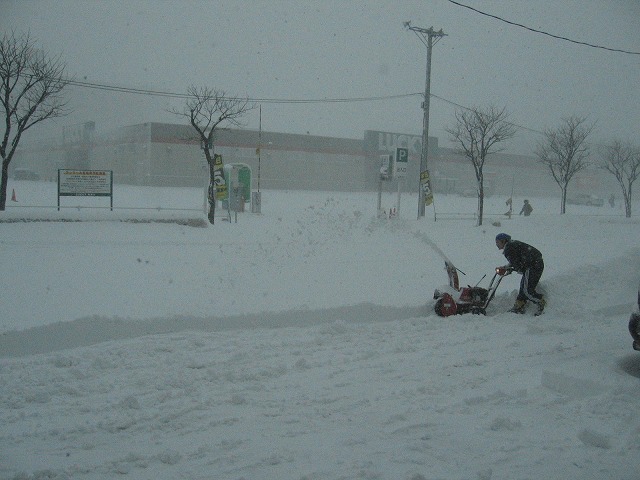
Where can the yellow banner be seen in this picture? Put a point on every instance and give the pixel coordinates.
(218, 178)
(425, 185)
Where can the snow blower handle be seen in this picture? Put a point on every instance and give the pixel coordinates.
(502, 271)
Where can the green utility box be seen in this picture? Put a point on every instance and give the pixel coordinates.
(238, 178)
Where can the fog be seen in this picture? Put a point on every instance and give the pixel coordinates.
(301, 50)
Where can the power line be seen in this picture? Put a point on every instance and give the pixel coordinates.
(140, 91)
(543, 32)
(336, 100)
(158, 93)
(137, 91)
(471, 110)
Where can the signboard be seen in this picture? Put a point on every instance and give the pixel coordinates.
(402, 162)
(386, 167)
(425, 185)
(85, 183)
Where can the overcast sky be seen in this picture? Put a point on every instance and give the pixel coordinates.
(342, 49)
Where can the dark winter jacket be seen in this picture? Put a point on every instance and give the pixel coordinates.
(526, 209)
(522, 256)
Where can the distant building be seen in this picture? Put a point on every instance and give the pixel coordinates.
(164, 154)
(170, 154)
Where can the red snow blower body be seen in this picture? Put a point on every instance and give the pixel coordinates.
(453, 300)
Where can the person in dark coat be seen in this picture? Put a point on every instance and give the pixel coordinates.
(527, 261)
(526, 208)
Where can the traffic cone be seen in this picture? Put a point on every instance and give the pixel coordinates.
(13, 196)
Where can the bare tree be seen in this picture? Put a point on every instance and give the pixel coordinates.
(565, 152)
(208, 111)
(622, 160)
(478, 133)
(30, 92)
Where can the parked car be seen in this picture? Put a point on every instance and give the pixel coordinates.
(634, 325)
(586, 199)
(25, 174)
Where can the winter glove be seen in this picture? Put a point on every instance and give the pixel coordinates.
(505, 270)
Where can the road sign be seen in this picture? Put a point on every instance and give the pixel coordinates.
(386, 167)
(402, 162)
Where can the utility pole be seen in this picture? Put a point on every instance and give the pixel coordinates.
(429, 37)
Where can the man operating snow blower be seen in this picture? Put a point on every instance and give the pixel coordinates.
(527, 261)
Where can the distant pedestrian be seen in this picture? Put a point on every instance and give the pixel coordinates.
(526, 208)
(612, 200)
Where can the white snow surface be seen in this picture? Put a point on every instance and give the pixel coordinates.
(301, 343)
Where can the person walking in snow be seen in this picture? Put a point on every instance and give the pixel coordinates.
(527, 261)
(526, 208)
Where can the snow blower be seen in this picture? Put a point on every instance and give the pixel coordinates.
(453, 300)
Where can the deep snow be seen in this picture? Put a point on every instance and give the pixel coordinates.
(301, 343)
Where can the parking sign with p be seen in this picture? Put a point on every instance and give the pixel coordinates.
(402, 161)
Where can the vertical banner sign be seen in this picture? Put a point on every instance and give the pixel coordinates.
(425, 185)
(218, 178)
(402, 162)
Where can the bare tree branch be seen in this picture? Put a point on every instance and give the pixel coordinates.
(478, 132)
(565, 152)
(207, 111)
(31, 84)
(622, 160)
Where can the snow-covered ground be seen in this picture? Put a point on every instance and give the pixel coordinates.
(301, 343)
